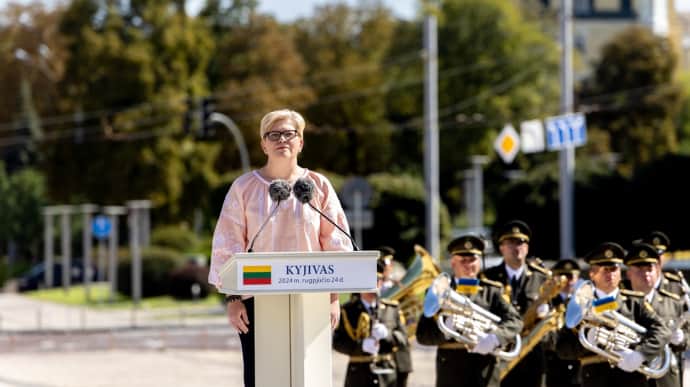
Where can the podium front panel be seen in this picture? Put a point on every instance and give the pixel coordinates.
(300, 272)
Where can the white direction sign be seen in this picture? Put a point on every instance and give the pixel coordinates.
(507, 144)
(532, 136)
(566, 130)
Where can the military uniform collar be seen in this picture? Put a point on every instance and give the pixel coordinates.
(516, 273)
(600, 293)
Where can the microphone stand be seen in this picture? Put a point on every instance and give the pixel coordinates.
(354, 244)
(275, 208)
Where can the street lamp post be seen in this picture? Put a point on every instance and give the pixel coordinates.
(236, 134)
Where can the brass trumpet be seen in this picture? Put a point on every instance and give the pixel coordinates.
(471, 322)
(609, 334)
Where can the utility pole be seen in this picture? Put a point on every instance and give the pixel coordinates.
(431, 134)
(567, 154)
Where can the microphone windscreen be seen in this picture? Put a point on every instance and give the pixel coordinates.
(303, 190)
(279, 190)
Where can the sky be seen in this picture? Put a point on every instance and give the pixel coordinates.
(289, 10)
(285, 10)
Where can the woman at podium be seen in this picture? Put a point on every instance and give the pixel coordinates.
(260, 214)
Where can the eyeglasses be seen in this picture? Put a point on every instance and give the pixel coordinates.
(276, 135)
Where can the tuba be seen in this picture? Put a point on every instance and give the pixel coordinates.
(534, 330)
(409, 291)
(471, 322)
(609, 333)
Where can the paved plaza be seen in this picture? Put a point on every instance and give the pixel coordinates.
(48, 345)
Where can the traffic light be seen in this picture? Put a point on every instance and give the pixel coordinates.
(208, 106)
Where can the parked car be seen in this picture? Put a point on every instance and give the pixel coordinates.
(34, 279)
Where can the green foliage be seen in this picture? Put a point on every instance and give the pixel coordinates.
(157, 265)
(398, 204)
(184, 279)
(178, 238)
(22, 197)
(636, 97)
(344, 49)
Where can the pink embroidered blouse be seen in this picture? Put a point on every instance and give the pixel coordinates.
(294, 227)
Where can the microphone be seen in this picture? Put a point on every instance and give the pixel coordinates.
(278, 190)
(304, 192)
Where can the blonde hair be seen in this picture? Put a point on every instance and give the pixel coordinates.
(281, 115)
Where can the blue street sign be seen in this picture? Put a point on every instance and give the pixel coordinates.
(101, 226)
(566, 130)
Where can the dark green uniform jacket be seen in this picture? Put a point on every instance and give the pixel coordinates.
(455, 366)
(670, 308)
(596, 371)
(530, 371)
(355, 326)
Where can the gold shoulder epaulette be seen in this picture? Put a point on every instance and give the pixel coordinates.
(538, 268)
(632, 293)
(669, 294)
(489, 282)
(672, 277)
(390, 302)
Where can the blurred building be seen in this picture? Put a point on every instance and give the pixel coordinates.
(598, 21)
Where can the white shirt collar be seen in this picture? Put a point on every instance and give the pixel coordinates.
(601, 294)
(368, 306)
(514, 273)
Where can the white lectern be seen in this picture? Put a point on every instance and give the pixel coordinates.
(291, 310)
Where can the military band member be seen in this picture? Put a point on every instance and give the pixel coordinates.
(370, 332)
(456, 364)
(605, 272)
(644, 272)
(522, 283)
(563, 372)
(403, 356)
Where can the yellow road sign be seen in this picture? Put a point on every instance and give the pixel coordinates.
(507, 144)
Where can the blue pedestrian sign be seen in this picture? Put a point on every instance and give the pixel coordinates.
(101, 226)
(566, 130)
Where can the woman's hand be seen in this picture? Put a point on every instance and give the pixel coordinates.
(335, 310)
(237, 314)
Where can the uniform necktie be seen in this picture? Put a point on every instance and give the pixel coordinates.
(514, 286)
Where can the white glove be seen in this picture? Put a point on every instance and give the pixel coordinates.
(370, 345)
(542, 310)
(677, 337)
(630, 361)
(486, 344)
(379, 331)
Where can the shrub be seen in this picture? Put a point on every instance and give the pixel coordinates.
(156, 266)
(175, 237)
(184, 278)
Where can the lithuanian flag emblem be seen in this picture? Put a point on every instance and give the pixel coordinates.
(603, 304)
(256, 275)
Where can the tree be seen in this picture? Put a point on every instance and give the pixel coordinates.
(257, 69)
(22, 196)
(634, 97)
(132, 66)
(32, 56)
(345, 50)
(494, 68)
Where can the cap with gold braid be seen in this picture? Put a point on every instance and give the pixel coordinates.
(466, 245)
(606, 254)
(515, 229)
(659, 240)
(642, 254)
(565, 266)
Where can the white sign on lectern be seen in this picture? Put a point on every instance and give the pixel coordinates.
(300, 272)
(292, 308)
